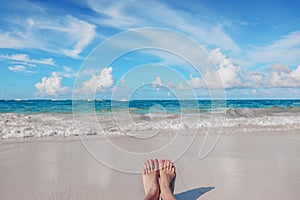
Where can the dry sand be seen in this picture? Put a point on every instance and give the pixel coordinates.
(241, 166)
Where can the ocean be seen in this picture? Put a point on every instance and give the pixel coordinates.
(137, 106)
(41, 118)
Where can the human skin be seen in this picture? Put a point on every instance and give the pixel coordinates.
(167, 176)
(150, 179)
(159, 179)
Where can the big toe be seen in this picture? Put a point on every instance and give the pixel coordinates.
(161, 164)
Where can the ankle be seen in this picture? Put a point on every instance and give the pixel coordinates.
(167, 195)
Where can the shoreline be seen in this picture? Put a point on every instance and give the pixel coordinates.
(76, 138)
(41, 125)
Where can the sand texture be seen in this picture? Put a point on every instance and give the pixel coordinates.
(241, 166)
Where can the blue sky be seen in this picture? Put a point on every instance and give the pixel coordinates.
(255, 46)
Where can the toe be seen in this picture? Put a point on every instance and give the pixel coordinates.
(165, 164)
(168, 164)
(173, 169)
(148, 164)
(172, 165)
(161, 164)
(152, 165)
(145, 168)
(155, 164)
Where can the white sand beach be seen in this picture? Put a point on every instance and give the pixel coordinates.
(90, 90)
(257, 165)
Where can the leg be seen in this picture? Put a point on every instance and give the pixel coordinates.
(167, 179)
(150, 179)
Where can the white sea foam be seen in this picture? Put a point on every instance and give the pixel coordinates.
(241, 120)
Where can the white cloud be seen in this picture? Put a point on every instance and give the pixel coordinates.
(80, 31)
(276, 76)
(67, 72)
(25, 58)
(66, 35)
(230, 72)
(114, 14)
(194, 82)
(127, 14)
(157, 83)
(18, 68)
(13, 40)
(257, 77)
(282, 76)
(285, 50)
(233, 77)
(226, 75)
(243, 23)
(51, 85)
(99, 83)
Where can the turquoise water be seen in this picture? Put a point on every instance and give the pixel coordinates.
(136, 106)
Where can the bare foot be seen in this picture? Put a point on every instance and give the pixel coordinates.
(150, 179)
(167, 179)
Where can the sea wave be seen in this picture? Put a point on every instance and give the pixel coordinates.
(122, 123)
(259, 112)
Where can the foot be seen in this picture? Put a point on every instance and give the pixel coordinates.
(167, 179)
(150, 179)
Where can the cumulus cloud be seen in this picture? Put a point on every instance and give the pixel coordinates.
(276, 76)
(283, 76)
(157, 83)
(230, 72)
(233, 77)
(51, 85)
(194, 82)
(99, 83)
(257, 77)
(227, 74)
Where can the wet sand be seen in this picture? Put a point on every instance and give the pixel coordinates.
(241, 166)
